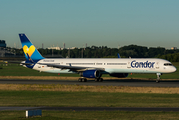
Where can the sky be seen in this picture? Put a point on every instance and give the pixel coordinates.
(112, 23)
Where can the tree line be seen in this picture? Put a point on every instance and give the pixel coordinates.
(133, 51)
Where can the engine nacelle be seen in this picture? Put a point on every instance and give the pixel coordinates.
(119, 75)
(91, 74)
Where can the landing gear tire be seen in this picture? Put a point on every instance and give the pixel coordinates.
(82, 80)
(85, 80)
(157, 81)
(98, 79)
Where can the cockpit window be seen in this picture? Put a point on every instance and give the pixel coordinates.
(167, 64)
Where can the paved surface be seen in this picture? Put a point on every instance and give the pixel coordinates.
(124, 82)
(19, 108)
(90, 109)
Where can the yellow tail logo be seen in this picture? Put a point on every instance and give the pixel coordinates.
(29, 50)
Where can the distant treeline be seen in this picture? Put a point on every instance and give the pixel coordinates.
(133, 51)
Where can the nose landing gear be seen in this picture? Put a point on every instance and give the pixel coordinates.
(158, 77)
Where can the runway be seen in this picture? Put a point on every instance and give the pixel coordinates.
(123, 82)
(90, 109)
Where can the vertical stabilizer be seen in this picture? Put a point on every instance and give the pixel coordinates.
(118, 55)
(31, 53)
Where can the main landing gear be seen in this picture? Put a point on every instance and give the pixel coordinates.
(158, 77)
(82, 79)
(98, 79)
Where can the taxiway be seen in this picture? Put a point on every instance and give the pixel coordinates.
(126, 82)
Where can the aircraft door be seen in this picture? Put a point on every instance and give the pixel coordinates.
(129, 64)
(157, 65)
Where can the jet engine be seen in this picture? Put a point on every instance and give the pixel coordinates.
(91, 74)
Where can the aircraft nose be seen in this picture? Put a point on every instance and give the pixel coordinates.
(174, 69)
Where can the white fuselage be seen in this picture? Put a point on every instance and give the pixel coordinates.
(110, 65)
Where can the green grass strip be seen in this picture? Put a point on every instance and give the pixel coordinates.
(89, 99)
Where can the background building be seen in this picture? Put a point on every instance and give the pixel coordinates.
(174, 48)
(2, 43)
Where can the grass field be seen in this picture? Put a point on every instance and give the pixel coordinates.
(48, 95)
(88, 88)
(90, 99)
(87, 99)
(17, 70)
(91, 115)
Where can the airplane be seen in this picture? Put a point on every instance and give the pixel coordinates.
(93, 67)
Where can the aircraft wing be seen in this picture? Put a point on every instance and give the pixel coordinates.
(72, 68)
